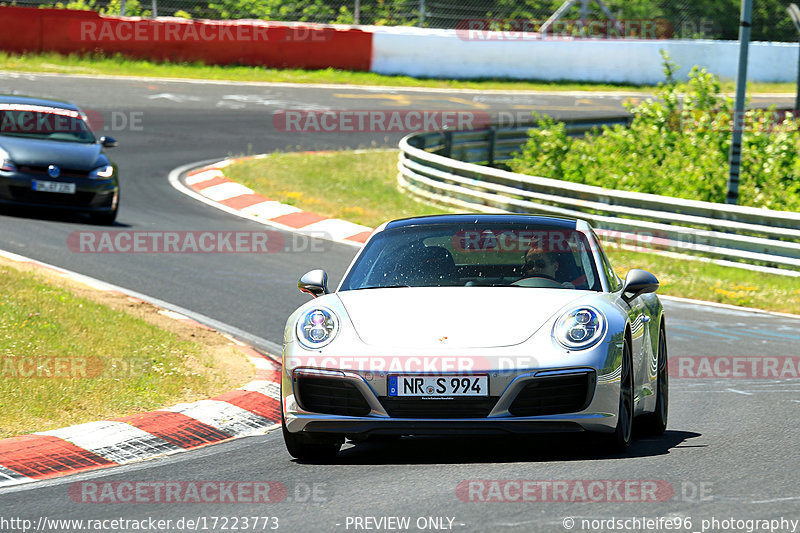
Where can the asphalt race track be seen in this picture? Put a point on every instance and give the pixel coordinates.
(730, 451)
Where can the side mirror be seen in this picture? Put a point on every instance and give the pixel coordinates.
(638, 282)
(314, 283)
(108, 142)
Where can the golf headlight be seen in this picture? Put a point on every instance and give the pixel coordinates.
(317, 327)
(6, 163)
(104, 172)
(580, 328)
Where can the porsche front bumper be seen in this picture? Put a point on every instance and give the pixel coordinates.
(523, 401)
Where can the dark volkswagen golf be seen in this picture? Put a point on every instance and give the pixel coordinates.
(49, 158)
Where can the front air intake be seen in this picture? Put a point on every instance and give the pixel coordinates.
(330, 396)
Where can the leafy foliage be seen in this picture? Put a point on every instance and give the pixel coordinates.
(677, 145)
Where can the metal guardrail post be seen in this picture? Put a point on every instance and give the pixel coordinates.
(448, 144)
(492, 136)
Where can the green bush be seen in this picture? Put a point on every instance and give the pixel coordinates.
(677, 145)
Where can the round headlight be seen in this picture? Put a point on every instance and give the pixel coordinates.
(580, 328)
(317, 327)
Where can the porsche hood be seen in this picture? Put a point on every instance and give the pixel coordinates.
(477, 317)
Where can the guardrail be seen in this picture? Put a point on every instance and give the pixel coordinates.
(453, 167)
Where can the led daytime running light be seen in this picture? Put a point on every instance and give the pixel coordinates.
(317, 327)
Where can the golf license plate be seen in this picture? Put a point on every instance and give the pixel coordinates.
(419, 386)
(54, 186)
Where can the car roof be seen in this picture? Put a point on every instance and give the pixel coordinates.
(26, 100)
(478, 218)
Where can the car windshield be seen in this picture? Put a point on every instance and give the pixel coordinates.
(446, 255)
(40, 122)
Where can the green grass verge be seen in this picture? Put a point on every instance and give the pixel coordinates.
(121, 66)
(66, 359)
(362, 187)
(359, 187)
(714, 283)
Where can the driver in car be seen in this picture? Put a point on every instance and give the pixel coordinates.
(540, 264)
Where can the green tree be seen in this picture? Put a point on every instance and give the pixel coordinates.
(677, 145)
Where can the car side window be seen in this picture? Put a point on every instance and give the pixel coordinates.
(614, 283)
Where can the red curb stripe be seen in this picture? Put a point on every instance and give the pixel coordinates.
(244, 200)
(359, 237)
(210, 183)
(45, 456)
(255, 402)
(298, 220)
(176, 428)
(200, 170)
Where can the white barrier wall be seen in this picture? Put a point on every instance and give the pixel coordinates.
(456, 54)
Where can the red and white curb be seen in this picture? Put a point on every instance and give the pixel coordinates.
(250, 410)
(211, 184)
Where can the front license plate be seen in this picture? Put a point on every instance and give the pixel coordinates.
(418, 386)
(54, 186)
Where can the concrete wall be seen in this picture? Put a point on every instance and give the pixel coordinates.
(453, 54)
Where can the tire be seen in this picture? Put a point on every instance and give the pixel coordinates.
(104, 219)
(310, 447)
(655, 423)
(620, 440)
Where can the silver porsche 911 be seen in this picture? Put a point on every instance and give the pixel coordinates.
(477, 324)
